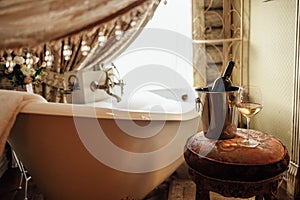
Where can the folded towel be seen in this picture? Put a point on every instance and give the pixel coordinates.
(11, 103)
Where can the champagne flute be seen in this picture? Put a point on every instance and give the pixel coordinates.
(250, 103)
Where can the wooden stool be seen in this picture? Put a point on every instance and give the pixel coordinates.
(224, 167)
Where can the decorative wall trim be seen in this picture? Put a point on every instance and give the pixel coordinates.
(293, 182)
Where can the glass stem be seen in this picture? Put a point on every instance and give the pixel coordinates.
(248, 126)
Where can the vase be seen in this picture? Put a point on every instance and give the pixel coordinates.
(24, 88)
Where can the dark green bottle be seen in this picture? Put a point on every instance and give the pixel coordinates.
(224, 83)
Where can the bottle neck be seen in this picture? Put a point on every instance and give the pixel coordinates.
(228, 70)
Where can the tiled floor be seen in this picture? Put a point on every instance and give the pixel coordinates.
(9, 183)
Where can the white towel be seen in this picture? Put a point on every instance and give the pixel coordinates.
(11, 103)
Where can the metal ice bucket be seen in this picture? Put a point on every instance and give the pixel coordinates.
(218, 112)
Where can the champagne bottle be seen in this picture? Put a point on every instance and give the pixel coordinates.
(223, 83)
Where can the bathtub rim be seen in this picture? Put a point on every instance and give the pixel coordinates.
(82, 110)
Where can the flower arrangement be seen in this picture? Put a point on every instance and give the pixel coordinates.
(21, 71)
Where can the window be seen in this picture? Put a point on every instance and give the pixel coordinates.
(165, 41)
(217, 36)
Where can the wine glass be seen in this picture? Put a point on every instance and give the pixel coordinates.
(249, 104)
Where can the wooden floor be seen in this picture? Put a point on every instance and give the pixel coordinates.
(9, 183)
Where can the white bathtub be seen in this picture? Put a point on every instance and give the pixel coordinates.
(102, 151)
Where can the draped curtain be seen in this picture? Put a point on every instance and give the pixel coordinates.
(70, 35)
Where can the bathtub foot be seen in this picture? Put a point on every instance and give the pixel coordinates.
(21, 181)
(23, 175)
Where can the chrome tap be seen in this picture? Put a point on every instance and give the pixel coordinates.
(109, 83)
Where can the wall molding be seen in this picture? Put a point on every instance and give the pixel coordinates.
(293, 182)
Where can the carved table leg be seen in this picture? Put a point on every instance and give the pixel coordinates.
(273, 188)
(202, 194)
(265, 189)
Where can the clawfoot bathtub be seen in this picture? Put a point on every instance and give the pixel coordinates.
(92, 152)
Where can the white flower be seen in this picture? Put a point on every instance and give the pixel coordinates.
(38, 77)
(26, 71)
(10, 69)
(9, 62)
(35, 60)
(19, 60)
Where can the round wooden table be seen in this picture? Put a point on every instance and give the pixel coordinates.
(224, 167)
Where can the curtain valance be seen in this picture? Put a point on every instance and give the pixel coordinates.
(30, 22)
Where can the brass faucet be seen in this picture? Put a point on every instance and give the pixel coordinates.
(109, 83)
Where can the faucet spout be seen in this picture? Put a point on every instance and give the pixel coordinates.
(115, 96)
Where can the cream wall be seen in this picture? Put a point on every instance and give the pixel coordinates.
(271, 64)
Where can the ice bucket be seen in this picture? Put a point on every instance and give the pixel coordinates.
(218, 112)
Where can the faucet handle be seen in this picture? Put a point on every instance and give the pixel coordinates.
(94, 86)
